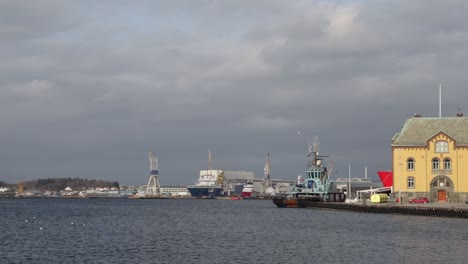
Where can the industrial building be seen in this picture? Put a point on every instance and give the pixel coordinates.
(356, 185)
(235, 180)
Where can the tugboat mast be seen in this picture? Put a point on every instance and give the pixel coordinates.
(313, 155)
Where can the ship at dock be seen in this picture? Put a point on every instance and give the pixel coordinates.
(209, 184)
(316, 187)
(247, 190)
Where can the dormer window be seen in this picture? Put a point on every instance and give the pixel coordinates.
(441, 146)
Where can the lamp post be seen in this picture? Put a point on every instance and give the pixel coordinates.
(400, 165)
(349, 175)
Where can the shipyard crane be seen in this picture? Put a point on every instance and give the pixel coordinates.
(266, 173)
(153, 188)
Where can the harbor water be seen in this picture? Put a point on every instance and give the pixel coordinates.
(218, 231)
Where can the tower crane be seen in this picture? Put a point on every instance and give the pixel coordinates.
(153, 188)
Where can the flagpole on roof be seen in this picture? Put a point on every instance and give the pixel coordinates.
(440, 100)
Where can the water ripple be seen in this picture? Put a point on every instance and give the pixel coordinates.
(190, 231)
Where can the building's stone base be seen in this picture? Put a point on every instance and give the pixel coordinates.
(453, 197)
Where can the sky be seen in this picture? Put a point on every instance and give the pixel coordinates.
(87, 87)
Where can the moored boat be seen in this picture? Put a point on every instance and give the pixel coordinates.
(316, 187)
(205, 191)
(286, 201)
(247, 190)
(209, 183)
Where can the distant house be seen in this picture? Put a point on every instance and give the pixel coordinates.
(33, 193)
(430, 159)
(5, 189)
(69, 192)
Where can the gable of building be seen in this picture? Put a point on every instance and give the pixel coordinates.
(438, 137)
(418, 130)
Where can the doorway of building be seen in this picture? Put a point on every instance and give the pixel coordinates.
(442, 196)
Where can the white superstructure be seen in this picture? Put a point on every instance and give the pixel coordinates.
(208, 177)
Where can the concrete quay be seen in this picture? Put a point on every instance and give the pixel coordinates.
(453, 210)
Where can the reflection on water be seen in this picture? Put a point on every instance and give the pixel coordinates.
(218, 231)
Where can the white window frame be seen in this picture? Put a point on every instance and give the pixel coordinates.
(447, 164)
(410, 164)
(441, 146)
(411, 182)
(435, 164)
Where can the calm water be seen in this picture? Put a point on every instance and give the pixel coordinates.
(218, 231)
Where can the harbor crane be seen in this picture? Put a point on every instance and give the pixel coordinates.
(153, 188)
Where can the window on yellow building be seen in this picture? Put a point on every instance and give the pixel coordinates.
(447, 164)
(435, 164)
(410, 164)
(410, 182)
(441, 182)
(441, 146)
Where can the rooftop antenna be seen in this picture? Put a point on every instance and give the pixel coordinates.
(440, 100)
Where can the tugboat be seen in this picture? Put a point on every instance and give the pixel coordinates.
(317, 187)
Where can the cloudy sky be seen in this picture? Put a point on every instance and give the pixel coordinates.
(87, 87)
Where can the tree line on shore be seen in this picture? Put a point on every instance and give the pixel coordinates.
(57, 184)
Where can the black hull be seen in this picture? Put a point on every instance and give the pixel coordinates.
(304, 201)
(285, 202)
(205, 192)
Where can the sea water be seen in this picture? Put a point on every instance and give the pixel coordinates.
(218, 231)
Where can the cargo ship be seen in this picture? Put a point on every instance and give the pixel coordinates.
(209, 184)
(316, 187)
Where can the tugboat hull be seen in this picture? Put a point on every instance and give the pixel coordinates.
(286, 202)
(304, 201)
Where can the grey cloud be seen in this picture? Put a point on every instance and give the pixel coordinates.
(184, 76)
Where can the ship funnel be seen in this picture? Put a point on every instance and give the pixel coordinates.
(386, 177)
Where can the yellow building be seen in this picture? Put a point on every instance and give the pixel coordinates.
(430, 159)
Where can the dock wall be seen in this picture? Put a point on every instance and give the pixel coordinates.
(392, 209)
